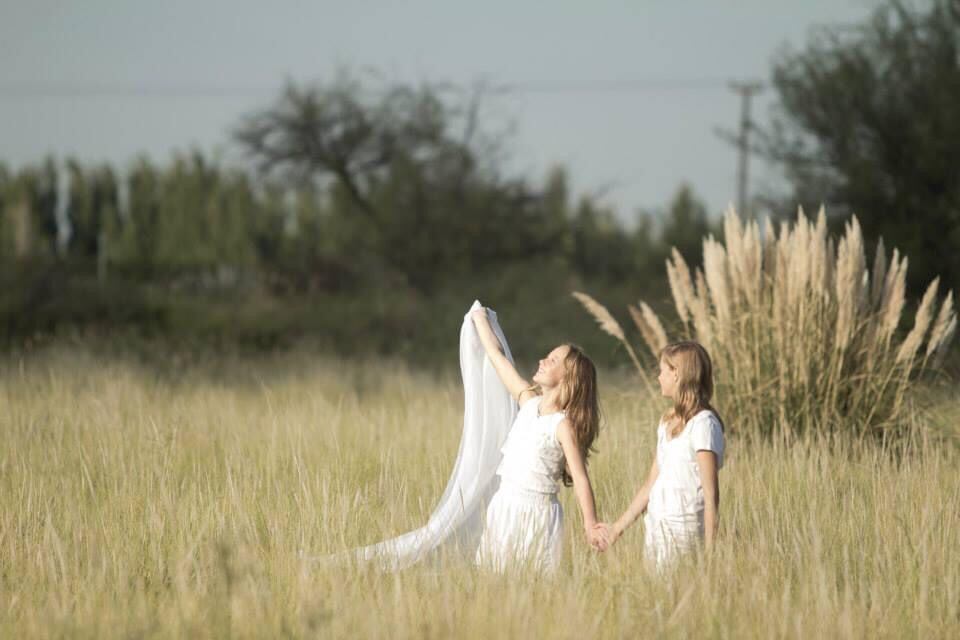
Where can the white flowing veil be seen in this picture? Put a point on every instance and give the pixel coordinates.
(488, 413)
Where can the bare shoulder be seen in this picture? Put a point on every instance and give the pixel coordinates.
(527, 395)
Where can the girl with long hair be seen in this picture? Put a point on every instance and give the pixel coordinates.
(548, 444)
(681, 496)
(511, 462)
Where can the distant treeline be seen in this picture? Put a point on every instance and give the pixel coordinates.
(198, 250)
(196, 221)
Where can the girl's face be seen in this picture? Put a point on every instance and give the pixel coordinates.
(668, 379)
(552, 367)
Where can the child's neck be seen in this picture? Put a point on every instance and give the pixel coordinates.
(548, 401)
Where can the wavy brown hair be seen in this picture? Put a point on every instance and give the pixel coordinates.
(694, 383)
(579, 400)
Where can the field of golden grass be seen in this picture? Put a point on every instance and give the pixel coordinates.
(138, 503)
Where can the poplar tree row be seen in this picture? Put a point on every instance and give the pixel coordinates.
(194, 220)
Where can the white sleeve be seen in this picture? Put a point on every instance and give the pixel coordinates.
(707, 435)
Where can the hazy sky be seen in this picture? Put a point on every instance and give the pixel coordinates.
(625, 94)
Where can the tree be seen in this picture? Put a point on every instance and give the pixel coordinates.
(601, 247)
(556, 203)
(647, 250)
(411, 177)
(140, 235)
(29, 210)
(92, 208)
(867, 122)
(6, 213)
(685, 224)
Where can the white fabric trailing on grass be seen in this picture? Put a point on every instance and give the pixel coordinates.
(457, 520)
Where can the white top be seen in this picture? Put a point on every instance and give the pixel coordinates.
(532, 455)
(677, 491)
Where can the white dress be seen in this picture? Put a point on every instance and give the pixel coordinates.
(524, 519)
(456, 523)
(674, 520)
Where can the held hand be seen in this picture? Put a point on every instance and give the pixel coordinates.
(597, 539)
(607, 533)
(479, 315)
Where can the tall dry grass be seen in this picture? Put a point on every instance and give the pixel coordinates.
(138, 505)
(805, 338)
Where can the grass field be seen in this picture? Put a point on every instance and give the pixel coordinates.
(136, 502)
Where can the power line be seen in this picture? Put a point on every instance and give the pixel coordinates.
(106, 90)
(625, 86)
(95, 90)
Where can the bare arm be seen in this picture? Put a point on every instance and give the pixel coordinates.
(581, 481)
(637, 506)
(707, 461)
(507, 373)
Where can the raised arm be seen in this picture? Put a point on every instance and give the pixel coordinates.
(581, 483)
(507, 373)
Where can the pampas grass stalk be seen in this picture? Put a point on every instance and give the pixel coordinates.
(610, 326)
(804, 336)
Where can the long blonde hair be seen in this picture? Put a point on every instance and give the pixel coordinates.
(694, 383)
(579, 400)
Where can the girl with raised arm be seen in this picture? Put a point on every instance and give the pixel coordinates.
(548, 443)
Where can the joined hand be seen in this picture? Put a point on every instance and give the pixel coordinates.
(599, 537)
(603, 534)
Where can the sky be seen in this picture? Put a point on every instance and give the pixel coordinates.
(626, 95)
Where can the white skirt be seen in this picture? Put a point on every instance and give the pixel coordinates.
(667, 538)
(522, 527)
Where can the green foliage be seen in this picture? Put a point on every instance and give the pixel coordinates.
(600, 246)
(43, 194)
(411, 193)
(136, 244)
(647, 247)
(203, 216)
(193, 217)
(92, 208)
(686, 224)
(6, 214)
(868, 124)
(28, 213)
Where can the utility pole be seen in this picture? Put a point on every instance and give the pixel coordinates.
(746, 90)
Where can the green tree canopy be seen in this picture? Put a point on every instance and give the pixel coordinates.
(686, 224)
(412, 177)
(868, 123)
